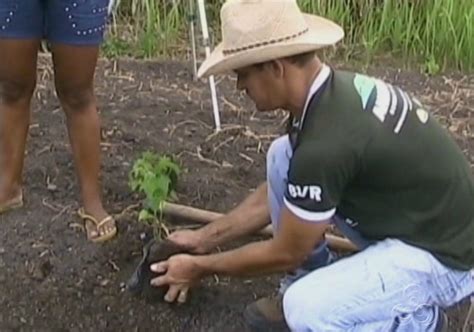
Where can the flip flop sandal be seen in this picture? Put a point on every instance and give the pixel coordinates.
(98, 225)
(12, 204)
(153, 252)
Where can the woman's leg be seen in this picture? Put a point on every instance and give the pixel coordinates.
(74, 72)
(17, 83)
(75, 30)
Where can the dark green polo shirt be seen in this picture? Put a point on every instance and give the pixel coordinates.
(372, 153)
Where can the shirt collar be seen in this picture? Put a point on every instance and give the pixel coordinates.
(315, 86)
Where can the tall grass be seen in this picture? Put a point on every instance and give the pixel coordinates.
(147, 28)
(435, 33)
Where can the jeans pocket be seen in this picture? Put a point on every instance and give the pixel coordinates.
(87, 17)
(8, 10)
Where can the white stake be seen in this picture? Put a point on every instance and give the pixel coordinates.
(192, 20)
(205, 33)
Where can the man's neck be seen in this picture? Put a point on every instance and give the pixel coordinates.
(300, 87)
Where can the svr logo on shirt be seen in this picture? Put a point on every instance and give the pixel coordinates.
(297, 191)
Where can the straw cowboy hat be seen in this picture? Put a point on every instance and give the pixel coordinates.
(255, 31)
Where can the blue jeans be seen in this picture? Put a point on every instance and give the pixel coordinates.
(72, 22)
(387, 286)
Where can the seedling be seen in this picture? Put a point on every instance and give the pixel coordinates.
(156, 177)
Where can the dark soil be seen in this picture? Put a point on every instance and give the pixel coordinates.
(52, 279)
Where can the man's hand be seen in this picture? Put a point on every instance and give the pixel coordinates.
(181, 273)
(247, 218)
(295, 240)
(192, 240)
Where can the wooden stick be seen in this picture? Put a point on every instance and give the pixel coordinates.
(204, 216)
(469, 320)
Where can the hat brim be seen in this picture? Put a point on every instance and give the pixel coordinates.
(322, 33)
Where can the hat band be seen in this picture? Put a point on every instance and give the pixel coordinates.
(264, 43)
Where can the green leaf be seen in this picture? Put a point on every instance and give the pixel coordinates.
(155, 177)
(145, 215)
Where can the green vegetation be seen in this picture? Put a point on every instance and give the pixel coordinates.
(149, 28)
(436, 34)
(156, 177)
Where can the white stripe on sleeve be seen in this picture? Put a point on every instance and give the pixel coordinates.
(308, 215)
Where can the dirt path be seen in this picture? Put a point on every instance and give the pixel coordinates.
(51, 279)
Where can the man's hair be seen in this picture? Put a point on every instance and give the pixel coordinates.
(300, 60)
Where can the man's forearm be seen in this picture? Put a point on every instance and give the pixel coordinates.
(247, 218)
(257, 258)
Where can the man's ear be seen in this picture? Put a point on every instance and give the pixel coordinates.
(277, 68)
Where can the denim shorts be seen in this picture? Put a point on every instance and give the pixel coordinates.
(73, 22)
